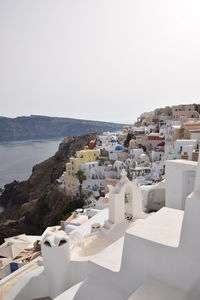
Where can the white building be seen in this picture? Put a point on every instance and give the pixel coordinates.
(153, 196)
(95, 176)
(135, 154)
(118, 166)
(171, 134)
(186, 147)
(195, 134)
(158, 257)
(156, 155)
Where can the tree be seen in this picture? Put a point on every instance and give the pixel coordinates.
(81, 177)
(128, 138)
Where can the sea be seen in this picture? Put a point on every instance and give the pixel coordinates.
(18, 158)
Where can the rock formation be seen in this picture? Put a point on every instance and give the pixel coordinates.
(33, 204)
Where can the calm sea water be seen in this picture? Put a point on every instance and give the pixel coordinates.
(18, 158)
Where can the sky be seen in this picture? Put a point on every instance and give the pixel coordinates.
(108, 60)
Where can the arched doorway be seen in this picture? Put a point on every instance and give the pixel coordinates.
(128, 201)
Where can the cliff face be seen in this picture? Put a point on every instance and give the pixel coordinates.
(33, 204)
(42, 127)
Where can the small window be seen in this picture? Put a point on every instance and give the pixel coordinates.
(62, 242)
(47, 243)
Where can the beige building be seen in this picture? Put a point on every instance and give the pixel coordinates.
(185, 111)
(72, 167)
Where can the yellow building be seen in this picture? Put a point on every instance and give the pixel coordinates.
(82, 156)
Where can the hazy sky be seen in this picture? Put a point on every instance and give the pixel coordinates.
(103, 60)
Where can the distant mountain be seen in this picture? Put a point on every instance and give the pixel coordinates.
(43, 127)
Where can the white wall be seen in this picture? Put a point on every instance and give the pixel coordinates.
(33, 285)
(56, 261)
(179, 182)
(186, 146)
(150, 196)
(5, 271)
(156, 155)
(118, 207)
(195, 136)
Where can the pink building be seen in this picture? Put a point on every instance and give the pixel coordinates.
(187, 110)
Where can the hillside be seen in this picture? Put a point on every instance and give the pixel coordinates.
(42, 127)
(33, 204)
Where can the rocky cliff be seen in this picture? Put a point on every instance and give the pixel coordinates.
(32, 205)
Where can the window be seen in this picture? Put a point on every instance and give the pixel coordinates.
(62, 242)
(47, 243)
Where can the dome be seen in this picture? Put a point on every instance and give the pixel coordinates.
(113, 141)
(118, 148)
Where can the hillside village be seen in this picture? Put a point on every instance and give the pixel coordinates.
(136, 235)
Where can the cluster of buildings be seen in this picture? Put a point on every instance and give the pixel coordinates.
(141, 150)
(186, 111)
(103, 164)
(138, 235)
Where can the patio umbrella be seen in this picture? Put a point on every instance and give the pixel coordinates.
(12, 247)
(16, 238)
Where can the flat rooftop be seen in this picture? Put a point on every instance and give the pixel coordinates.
(110, 257)
(182, 161)
(154, 289)
(163, 227)
(100, 217)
